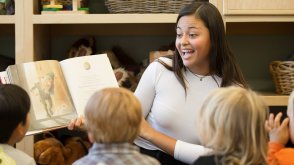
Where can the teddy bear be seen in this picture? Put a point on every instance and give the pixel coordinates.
(82, 47)
(51, 151)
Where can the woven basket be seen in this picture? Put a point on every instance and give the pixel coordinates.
(283, 76)
(143, 6)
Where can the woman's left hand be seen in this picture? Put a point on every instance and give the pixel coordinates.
(77, 124)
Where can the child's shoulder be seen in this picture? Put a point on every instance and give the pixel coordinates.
(5, 159)
(285, 156)
(17, 155)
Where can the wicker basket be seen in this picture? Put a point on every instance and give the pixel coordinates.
(143, 6)
(283, 76)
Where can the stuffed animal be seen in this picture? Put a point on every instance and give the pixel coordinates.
(50, 151)
(75, 148)
(83, 47)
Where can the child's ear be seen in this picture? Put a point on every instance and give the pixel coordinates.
(91, 137)
(18, 133)
(21, 130)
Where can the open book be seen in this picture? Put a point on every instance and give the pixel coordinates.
(59, 91)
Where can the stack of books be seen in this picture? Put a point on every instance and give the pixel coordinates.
(54, 8)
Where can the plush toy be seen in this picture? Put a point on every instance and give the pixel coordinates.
(75, 148)
(83, 47)
(50, 151)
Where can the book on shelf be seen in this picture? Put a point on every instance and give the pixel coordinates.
(59, 91)
(50, 12)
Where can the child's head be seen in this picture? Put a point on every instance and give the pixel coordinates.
(290, 113)
(231, 122)
(113, 115)
(14, 108)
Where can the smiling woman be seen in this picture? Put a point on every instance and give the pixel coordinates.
(171, 90)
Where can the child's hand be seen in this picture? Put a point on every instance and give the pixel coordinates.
(78, 123)
(277, 132)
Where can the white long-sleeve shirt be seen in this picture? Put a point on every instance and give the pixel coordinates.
(169, 111)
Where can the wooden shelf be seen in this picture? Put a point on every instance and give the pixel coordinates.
(260, 28)
(259, 18)
(275, 99)
(131, 29)
(7, 19)
(103, 18)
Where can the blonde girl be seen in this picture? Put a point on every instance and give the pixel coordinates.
(232, 124)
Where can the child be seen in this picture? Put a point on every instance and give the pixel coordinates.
(232, 124)
(279, 136)
(14, 121)
(112, 118)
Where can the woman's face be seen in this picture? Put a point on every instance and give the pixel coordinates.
(193, 43)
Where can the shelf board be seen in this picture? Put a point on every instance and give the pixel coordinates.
(275, 99)
(7, 19)
(259, 18)
(260, 28)
(103, 18)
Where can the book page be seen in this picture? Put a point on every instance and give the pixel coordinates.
(51, 104)
(86, 75)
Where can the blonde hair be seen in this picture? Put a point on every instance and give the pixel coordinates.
(113, 115)
(232, 124)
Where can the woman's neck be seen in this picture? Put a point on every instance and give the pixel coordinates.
(200, 70)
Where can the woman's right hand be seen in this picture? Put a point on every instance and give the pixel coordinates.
(278, 132)
(78, 123)
(146, 130)
(159, 139)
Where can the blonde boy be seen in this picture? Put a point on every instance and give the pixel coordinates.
(112, 118)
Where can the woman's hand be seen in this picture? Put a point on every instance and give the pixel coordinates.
(278, 132)
(146, 131)
(159, 139)
(78, 123)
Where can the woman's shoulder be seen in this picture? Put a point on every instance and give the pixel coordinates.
(166, 60)
(162, 63)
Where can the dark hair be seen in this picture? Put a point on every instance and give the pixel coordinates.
(222, 61)
(14, 107)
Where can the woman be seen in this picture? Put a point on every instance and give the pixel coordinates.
(171, 90)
